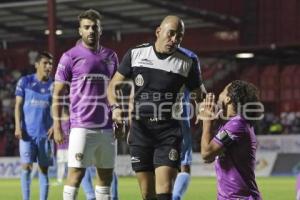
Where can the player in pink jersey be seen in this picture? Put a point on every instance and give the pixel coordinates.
(233, 147)
(87, 68)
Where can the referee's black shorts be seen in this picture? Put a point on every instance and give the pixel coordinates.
(154, 143)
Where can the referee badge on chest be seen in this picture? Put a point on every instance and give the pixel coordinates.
(139, 80)
(173, 155)
(79, 156)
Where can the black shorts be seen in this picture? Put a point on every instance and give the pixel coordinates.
(154, 143)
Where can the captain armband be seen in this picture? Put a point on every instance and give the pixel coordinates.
(226, 137)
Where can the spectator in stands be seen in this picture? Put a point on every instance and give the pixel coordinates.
(10, 146)
(295, 127)
(275, 127)
(262, 127)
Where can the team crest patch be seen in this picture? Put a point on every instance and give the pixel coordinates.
(173, 155)
(79, 156)
(139, 80)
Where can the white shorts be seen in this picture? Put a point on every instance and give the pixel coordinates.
(91, 147)
(62, 155)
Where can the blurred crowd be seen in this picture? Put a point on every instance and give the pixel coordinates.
(286, 123)
(8, 79)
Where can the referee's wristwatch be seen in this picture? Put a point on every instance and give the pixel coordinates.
(115, 106)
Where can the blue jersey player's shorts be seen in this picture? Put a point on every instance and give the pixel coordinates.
(36, 149)
(186, 148)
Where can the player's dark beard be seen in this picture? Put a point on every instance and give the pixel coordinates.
(90, 43)
(224, 107)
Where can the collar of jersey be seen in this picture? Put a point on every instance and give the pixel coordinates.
(42, 82)
(161, 56)
(93, 51)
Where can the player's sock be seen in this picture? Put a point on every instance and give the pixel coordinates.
(25, 183)
(114, 187)
(180, 186)
(44, 185)
(87, 185)
(70, 192)
(164, 196)
(60, 171)
(102, 193)
(298, 187)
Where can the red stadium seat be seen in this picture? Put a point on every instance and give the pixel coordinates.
(269, 77)
(209, 71)
(269, 95)
(297, 105)
(286, 94)
(250, 74)
(296, 93)
(296, 77)
(3, 140)
(286, 80)
(287, 106)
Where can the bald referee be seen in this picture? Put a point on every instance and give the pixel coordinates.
(159, 71)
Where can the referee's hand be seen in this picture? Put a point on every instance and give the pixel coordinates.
(117, 115)
(120, 130)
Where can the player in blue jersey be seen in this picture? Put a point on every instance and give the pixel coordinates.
(183, 178)
(33, 124)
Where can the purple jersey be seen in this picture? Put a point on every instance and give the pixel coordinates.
(88, 73)
(65, 125)
(235, 167)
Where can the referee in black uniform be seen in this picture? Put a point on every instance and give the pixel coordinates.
(158, 72)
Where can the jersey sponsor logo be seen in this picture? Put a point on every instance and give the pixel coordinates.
(135, 159)
(145, 61)
(139, 80)
(173, 155)
(143, 45)
(79, 156)
(94, 77)
(39, 103)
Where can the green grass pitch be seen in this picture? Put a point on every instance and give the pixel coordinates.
(273, 188)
